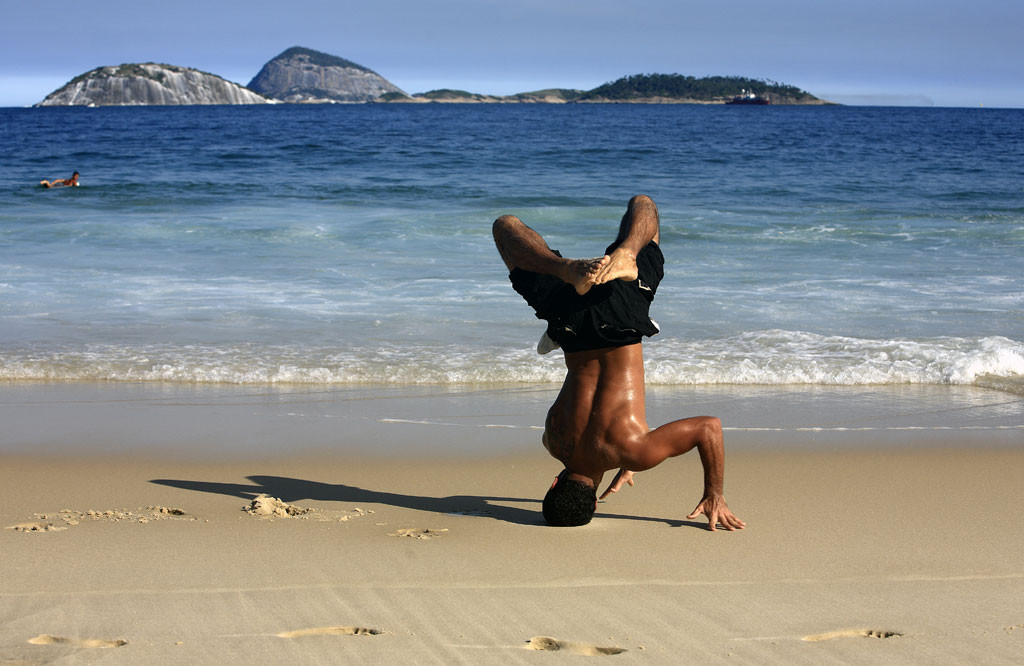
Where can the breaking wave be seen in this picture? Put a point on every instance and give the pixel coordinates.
(762, 357)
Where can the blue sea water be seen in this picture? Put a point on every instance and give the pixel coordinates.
(351, 243)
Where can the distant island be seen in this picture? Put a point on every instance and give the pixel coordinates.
(150, 84)
(635, 89)
(447, 95)
(303, 76)
(676, 88)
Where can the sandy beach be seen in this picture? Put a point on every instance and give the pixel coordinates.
(268, 396)
(893, 550)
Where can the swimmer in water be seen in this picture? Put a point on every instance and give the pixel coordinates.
(66, 182)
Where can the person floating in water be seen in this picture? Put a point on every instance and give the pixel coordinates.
(598, 312)
(65, 182)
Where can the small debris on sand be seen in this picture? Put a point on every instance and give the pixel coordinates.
(265, 506)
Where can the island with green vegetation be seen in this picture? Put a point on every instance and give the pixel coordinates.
(677, 88)
(635, 89)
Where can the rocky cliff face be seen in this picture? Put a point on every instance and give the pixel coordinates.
(149, 84)
(305, 75)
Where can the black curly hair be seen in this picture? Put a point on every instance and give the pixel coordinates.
(569, 503)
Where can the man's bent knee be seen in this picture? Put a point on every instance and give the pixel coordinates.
(641, 200)
(505, 224)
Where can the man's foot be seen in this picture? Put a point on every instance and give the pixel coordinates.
(580, 272)
(621, 265)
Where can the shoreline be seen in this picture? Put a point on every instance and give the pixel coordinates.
(220, 421)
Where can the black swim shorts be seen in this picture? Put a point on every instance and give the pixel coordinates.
(613, 314)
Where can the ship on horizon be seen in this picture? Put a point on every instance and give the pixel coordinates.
(748, 97)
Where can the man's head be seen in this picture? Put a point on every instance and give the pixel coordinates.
(569, 503)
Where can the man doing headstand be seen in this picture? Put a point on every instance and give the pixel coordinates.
(597, 312)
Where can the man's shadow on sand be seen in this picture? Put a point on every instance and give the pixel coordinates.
(293, 490)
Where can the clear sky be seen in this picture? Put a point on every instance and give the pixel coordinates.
(888, 52)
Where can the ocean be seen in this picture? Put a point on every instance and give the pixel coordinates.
(350, 244)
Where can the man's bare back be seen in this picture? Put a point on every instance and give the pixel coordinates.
(598, 422)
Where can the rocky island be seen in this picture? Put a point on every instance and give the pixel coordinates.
(679, 89)
(307, 76)
(636, 89)
(447, 95)
(301, 75)
(150, 84)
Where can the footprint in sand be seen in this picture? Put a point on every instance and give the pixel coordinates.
(330, 631)
(37, 526)
(47, 639)
(68, 517)
(414, 533)
(852, 633)
(549, 644)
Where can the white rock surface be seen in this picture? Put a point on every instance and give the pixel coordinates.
(150, 84)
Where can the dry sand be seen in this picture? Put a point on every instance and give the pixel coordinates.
(913, 555)
(178, 524)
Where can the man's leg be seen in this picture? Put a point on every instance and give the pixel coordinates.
(522, 247)
(639, 226)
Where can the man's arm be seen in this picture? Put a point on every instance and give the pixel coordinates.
(712, 504)
(676, 438)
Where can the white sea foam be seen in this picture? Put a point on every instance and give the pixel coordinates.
(766, 357)
(785, 357)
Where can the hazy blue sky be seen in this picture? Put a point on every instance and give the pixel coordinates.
(942, 52)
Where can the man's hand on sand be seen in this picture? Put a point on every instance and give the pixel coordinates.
(624, 476)
(717, 511)
(621, 265)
